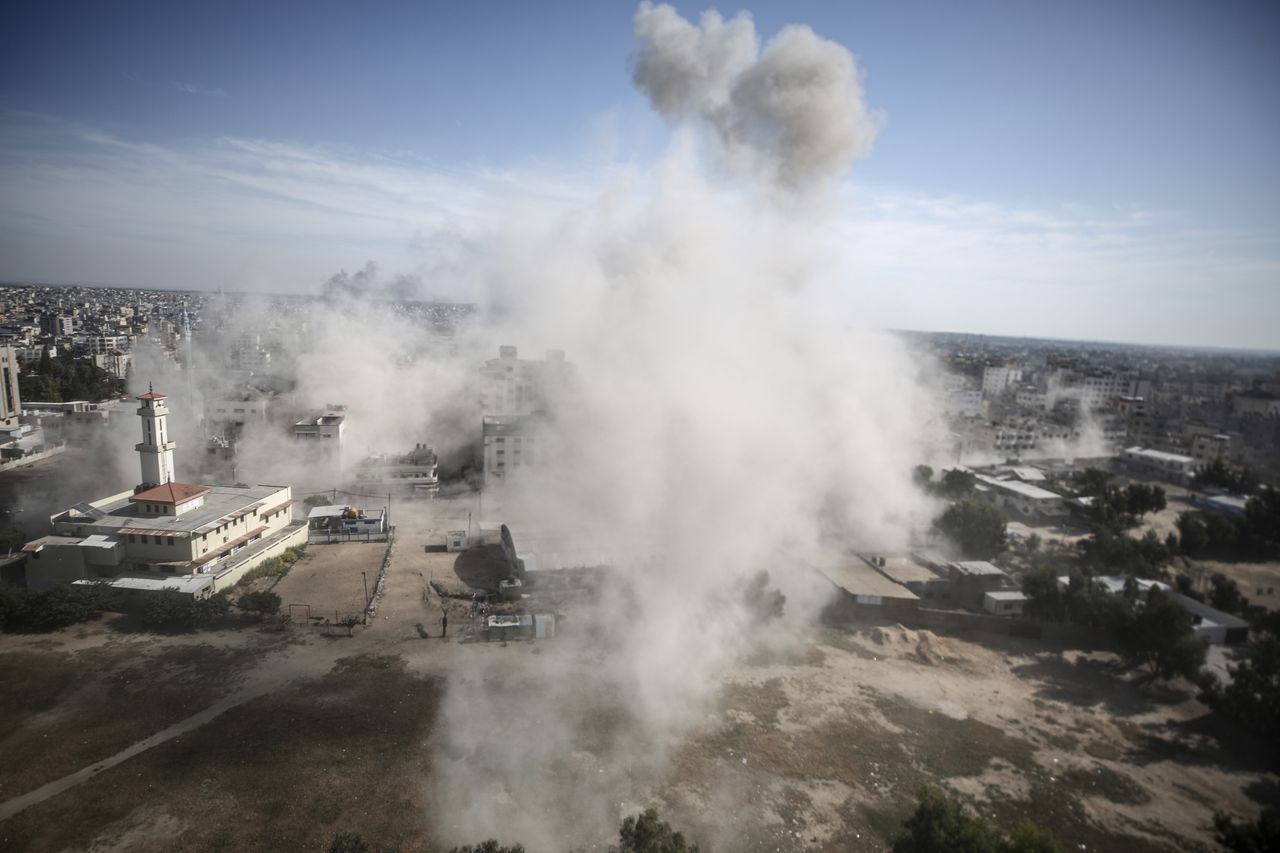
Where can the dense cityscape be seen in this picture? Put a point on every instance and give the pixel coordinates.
(640, 429)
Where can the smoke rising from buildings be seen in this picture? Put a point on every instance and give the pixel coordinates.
(723, 420)
(793, 113)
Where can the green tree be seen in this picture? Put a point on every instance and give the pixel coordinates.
(941, 824)
(1159, 635)
(1141, 499)
(263, 603)
(348, 842)
(1045, 598)
(490, 846)
(1225, 594)
(956, 483)
(170, 609)
(67, 378)
(923, 476)
(976, 527)
(1029, 838)
(1111, 552)
(648, 833)
(22, 609)
(1217, 474)
(1193, 535)
(1093, 481)
(1252, 696)
(1258, 836)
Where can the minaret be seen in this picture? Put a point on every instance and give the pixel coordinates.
(156, 450)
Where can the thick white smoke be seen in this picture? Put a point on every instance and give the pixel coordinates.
(793, 114)
(728, 416)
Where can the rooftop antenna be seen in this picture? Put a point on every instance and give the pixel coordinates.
(151, 388)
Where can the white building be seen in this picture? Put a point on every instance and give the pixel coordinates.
(1024, 498)
(165, 534)
(1099, 391)
(114, 362)
(511, 444)
(236, 412)
(1172, 465)
(1030, 397)
(995, 379)
(412, 473)
(963, 402)
(341, 523)
(1004, 602)
(515, 386)
(323, 436)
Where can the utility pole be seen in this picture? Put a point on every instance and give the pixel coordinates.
(364, 576)
(388, 511)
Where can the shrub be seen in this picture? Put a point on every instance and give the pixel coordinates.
(272, 567)
(263, 603)
(22, 609)
(941, 824)
(976, 527)
(174, 610)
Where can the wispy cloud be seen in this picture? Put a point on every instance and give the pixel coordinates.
(79, 203)
(193, 89)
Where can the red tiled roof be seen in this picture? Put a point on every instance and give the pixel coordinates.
(170, 493)
(151, 395)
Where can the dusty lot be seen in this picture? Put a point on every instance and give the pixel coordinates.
(1259, 582)
(818, 747)
(328, 577)
(69, 704)
(285, 771)
(821, 750)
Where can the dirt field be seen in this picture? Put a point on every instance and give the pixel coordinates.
(68, 705)
(818, 748)
(1259, 582)
(328, 577)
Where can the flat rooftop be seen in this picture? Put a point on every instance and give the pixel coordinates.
(1158, 455)
(853, 575)
(904, 570)
(1018, 487)
(222, 504)
(978, 568)
(189, 584)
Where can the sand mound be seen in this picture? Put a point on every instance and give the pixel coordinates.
(921, 646)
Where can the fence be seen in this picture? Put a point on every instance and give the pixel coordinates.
(304, 617)
(327, 537)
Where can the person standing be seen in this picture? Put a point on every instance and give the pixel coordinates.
(444, 625)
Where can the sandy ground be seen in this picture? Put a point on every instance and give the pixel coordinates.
(818, 745)
(328, 578)
(1259, 582)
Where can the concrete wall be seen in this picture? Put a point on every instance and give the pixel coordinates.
(229, 577)
(54, 565)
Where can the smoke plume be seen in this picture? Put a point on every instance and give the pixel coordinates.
(726, 418)
(793, 114)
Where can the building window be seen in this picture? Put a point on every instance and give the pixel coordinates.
(170, 540)
(131, 538)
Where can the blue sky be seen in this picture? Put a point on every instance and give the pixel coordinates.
(1125, 154)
